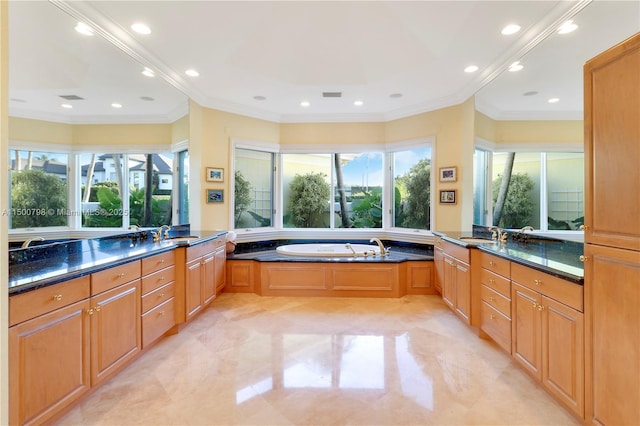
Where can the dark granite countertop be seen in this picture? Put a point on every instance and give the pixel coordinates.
(44, 265)
(265, 251)
(560, 258)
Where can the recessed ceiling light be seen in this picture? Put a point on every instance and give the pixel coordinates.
(567, 27)
(510, 29)
(116, 105)
(395, 95)
(471, 68)
(84, 29)
(148, 72)
(516, 66)
(192, 73)
(358, 103)
(305, 104)
(68, 106)
(554, 100)
(141, 28)
(259, 98)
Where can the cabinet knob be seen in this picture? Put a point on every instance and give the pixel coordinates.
(491, 299)
(535, 305)
(120, 275)
(537, 282)
(161, 260)
(583, 227)
(492, 281)
(161, 295)
(97, 308)
(583, 258)
(491, 316)
(492, 263)
(161, 313)
(57, 297)
(540, 307)
(161, 278)
(90, 311)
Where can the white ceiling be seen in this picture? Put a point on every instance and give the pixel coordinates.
(293, 51)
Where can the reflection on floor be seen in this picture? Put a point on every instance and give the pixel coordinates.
(314, 361)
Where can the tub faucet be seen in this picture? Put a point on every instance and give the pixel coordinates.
(347, 245)
(27, 242)
(383, 251)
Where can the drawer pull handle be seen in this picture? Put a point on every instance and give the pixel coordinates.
(492, 281)
(161, 278)
(491, 316)
(161, 313)
(537, 282)
(57, 297)
(491, 299)
(161, 295)
(492, 263)
(121, 275)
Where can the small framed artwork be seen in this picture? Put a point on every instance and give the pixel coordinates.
(448, 174)
(448, 196)
(215, 174)
(215, 195)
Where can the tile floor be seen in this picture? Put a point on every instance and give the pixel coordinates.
(322, 361)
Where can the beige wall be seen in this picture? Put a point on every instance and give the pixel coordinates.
(180, 130)
(560, 131)
(332, 133)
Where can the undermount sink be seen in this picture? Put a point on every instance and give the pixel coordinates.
(476, 240)
(180, 238)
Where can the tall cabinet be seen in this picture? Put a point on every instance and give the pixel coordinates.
(612, 235)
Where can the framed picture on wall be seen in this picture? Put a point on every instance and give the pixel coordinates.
(448, 196)
(215, 195)
(448, 174)
(215, 174)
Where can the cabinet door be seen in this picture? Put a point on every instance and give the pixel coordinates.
(563, 353)
(612, 298)
(208, 278)
(193, 287)
(526, 324)
(463, 290)
(438, 260)
(220, 269)
(115, 329)
(449, 282)
(48, 363)
(612, 151)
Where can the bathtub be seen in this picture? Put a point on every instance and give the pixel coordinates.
(328, 250)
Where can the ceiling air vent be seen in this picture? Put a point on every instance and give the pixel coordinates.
(331, 94)
(71, 97)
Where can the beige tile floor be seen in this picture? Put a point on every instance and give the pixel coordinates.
(322, 361)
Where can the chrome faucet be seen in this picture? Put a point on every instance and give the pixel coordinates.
(383, 251)
(27, 242)
(498, 234)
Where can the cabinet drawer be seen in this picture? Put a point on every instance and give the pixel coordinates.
(158, 279)
(496, 282)
(34, 303)
(496, 300)
(157, 262)
(158, 296)
(157, 321)
(495, 264)
(113, 277)
(496, 325)
(563, 291)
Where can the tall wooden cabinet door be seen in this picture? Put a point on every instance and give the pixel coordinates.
(220, 269)
(48, 363)
(612, 312)
(526, 333)
(115, 329)
(612, 146)
(463, 290)
(438, 260)
(563, 353)
(449, 282)
(208, 278)
(193, 287)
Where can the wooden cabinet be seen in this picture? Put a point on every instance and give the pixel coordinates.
(115, 319)
(158, 301)
(547, 335)
(612, 234)
(419, 278)
(456, 280)
(49, 350)
(612, 298)
(495, 295)
(205, 275)
(438, 260)
(612, 150)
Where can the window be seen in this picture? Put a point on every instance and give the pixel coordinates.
(39, 194)
(412, 188)
(357, 187)
(183, 187)
(253, 189)
(306, 190)
(545, 190)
